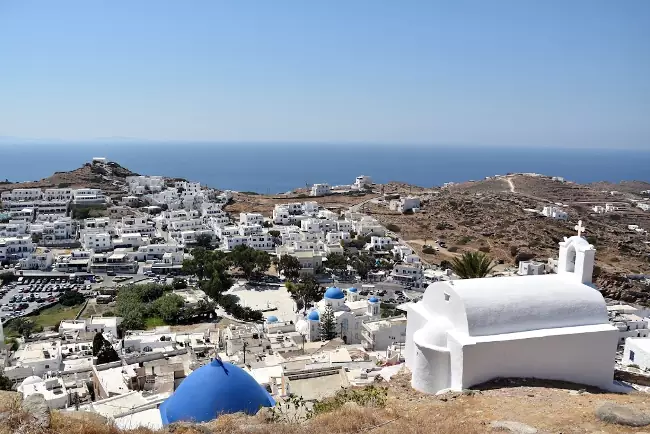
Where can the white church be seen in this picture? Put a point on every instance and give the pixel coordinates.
(350, 311)
(466, 332)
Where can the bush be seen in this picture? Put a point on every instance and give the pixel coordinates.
(513, 251)
(179, 283)
(453, 249)
(464, 240)
(369, 396)
(484, 249)
(392, 227)
(429, 250)
(71, 298)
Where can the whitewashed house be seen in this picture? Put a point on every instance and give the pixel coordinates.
(13, 249)
(361, 182)
(555, 212)
(248, 218)
(88, 196)
(637, 352)
(320, 190)
(380, 243)
(531, 268)
(41, 259)
(405, 204)
(409, 275)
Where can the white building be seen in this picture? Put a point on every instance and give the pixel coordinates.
(41, 259)
(380, 243)
(637, 352)
(249, 219)
(361, 182)
(379, 334)
(320, 190)
(98, 242)
(14, 248)
(644, 206)
(531, 268)
(53, 390)
(256, 241)
(88, 196)
(555, 212)
(405, 204)
(466, 332)
(13, 228)
(410, 275)
(38, 358)
(60, 194)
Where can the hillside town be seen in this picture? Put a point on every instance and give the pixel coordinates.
(133, 304)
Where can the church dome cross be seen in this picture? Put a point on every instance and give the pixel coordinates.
(580, 228)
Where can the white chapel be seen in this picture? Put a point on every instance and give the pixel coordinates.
(466, 332)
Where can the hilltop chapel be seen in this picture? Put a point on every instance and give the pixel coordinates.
(466, 332)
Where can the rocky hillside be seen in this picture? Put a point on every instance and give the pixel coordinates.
(110, 177)
(493, 216)
(516, 406)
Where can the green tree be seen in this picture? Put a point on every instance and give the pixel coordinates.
(169, 307)
(328, 324)
(274, 233)
(71, 298)
(249, 260)
(5, 383)
(179, 283)
(337, 262)
(23, 326)
(363, 264)
(204, 240)
(305, 291)
(472, 265)
(290, 267)
(103, 350)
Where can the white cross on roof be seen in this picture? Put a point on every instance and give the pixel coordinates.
(579, 228)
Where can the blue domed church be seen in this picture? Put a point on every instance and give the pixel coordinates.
(212, 390)
(350, 311)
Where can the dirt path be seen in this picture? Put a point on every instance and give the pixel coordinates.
(512, 185)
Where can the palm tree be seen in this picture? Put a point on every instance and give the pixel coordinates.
(472, 265)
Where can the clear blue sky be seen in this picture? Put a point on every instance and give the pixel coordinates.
(493, 72)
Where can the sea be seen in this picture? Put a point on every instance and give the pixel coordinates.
(276, 168)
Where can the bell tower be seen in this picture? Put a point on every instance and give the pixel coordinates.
(577, 256)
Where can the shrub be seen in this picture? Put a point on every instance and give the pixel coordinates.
(484, 249)
(392, 227)
(513, 251)
(453, 249)
(179, 283)
(429, 250)
(464, 240)
(369, 396)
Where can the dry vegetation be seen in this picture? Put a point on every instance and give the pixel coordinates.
(243, 202)
(551, 407)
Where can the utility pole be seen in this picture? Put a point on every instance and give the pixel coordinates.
(245, 346)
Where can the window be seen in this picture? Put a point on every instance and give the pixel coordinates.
(447, 297)
(47, 366)
(631, 356)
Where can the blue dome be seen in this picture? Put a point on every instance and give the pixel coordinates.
(352, 289)
(334, 293)
(313, 316)
(373, 299)
(271, 319)
(212, 390)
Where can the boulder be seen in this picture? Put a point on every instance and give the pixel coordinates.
(620, 414)
(37, 407)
